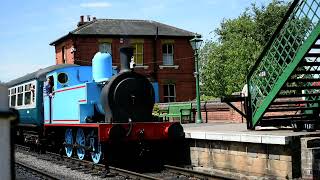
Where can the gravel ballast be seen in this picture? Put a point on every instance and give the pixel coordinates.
(52, 168)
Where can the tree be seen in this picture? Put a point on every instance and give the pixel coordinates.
(226, 61)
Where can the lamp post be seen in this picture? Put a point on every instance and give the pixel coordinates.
(196, 43)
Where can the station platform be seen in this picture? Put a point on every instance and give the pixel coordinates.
(229, 149)
(238, 132)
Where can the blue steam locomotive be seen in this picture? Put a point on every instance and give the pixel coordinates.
(85, 110)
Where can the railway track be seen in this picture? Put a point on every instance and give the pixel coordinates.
(168, 172)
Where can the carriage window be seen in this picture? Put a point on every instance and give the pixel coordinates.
(20, 100)
(20, 89)
(13, 90)
(62, 78)
(27, 87)
(13, 100)
(27, 98)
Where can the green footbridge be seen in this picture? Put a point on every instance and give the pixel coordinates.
(284, 83)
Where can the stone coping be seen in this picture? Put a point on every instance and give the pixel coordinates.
(239, 133)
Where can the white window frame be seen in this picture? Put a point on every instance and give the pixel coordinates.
(166, 57)
(33, 95)
(11, 94)
(169, 95)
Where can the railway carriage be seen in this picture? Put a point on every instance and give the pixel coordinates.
(92, 110)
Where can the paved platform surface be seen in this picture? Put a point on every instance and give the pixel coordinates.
(239, 133)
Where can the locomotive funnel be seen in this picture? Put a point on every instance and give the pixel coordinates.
(101, 67)
(125, 57)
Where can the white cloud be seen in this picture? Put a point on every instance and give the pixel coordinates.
(95, 5)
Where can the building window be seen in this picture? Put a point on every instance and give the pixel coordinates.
(105, 48)
(169, 93)
(138, 54)
(167, 54)
(64, 55)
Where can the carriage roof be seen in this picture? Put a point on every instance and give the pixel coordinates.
(39, 75)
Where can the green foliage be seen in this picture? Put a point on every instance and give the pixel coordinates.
(226, 61)
(156, 109)
(207, 98)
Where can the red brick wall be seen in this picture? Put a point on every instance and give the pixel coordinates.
(183, 78)
(86, 49)
(68, 44)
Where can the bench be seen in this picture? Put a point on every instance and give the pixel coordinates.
(177, 111)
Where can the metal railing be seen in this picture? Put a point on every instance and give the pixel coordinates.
(297, 25)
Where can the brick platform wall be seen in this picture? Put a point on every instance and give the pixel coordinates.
(310, 158)
(240, 160)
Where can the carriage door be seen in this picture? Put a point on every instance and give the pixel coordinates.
(47, 100)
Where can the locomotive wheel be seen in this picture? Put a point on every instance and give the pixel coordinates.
(81, 141)
(96, 152)
(69, 142)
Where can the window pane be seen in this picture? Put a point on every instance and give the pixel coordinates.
(20, 89)
(13, 100)
(164, 49)
(20, 98)
(167, 59)
(140, 59)
(171, 90)
(172, 99)
(165, 90)
(62, 78)
(138, 54)
(105, 48)
(170, 59)
(170, 48)
(27, 87)
(27, 98)
(167, 54)
(140, 48)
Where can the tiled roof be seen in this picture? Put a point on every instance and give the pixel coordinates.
(126, 27)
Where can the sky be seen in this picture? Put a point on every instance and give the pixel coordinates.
(27, 27)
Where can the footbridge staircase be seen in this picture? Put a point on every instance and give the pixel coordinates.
(284, 83)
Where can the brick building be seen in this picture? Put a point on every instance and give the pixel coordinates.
(162, 52)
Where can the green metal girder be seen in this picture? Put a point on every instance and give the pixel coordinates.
(286, 74)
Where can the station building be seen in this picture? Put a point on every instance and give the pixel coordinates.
(161, 52)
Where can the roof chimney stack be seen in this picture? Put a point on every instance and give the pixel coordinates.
(81, 22)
